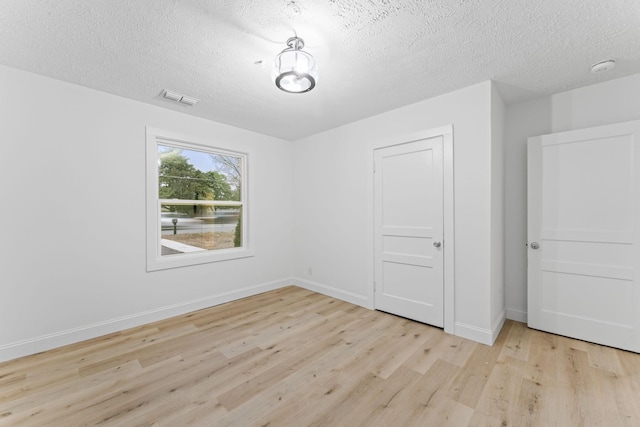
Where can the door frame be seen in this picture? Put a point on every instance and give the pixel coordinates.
(446, 132)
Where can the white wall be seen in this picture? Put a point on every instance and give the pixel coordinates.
(604, 103)
(72, 255)
(72, 251)
(333, 209)
(498, 312)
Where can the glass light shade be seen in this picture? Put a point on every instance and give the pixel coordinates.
(295, 71)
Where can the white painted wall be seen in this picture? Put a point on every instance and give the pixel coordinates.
(72, 246)
(521, 121)
(604, 103)
(498, 312)
(333, 209)
(68, 276)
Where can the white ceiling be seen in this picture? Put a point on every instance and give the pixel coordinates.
(373, 55)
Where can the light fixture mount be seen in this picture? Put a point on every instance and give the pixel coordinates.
(295, 71)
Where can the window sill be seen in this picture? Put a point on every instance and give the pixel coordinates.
(156, 263)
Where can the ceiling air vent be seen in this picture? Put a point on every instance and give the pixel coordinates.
(178, 97)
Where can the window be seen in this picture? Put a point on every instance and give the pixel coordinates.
(196, 202)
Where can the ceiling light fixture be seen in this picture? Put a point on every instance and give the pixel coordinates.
(295, 70)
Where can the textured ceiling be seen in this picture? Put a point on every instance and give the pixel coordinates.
(373, 55)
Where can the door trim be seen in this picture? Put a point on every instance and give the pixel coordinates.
(446, 132)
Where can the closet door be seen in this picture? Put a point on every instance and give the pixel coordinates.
(583, 224)
(408, 217)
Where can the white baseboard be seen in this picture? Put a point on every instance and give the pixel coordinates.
(473, 333)
(517, 315)
(481, 335)
(333, 292)
(498, 323)
(58, 339)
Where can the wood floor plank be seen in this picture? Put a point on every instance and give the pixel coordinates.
(517, 343)
(283, 325)
(282, 399)
(269, 378)
(529, 400)
(344, 401)
(454, 350)
(575, 372)
(383, 401)
(500, 397)
(472, 379)
(412, 339)
(292, 357)
(205, 411)
(447, 413)
(424, 397)
(317, 396)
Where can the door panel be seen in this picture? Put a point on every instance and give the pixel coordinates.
(408, 194)
(583, 192)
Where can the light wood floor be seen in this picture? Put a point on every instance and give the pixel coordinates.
(296, 358)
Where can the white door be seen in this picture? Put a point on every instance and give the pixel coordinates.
(408, 222)
(583, 212)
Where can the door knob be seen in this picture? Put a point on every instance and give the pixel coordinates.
(436, 244)
(534, 245)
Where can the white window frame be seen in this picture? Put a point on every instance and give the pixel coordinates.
(155, 260)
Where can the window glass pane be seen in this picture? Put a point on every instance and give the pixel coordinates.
(185, 233)
(198, 175)
(200, 197)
